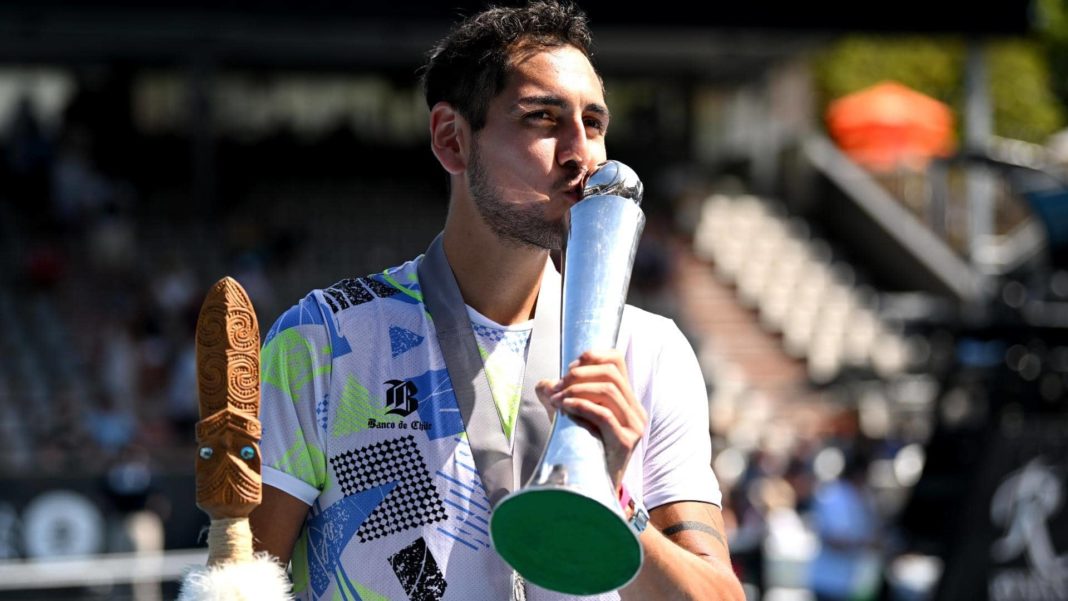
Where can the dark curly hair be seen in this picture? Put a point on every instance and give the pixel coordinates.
(471, 64)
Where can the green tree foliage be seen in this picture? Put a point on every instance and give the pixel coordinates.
(1025, 106)
(929, 65)
(1052, 26)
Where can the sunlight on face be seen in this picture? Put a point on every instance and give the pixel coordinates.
(544, 133)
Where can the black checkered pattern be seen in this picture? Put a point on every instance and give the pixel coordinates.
(355, 291)
(413, 503)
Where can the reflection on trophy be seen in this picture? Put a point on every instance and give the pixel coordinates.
(565, 530)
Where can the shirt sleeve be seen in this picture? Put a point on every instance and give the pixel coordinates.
(678, 456)
(295, 380)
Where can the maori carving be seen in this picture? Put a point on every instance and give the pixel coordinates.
(228, 433)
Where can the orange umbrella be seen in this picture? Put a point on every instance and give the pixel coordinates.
(888, 125)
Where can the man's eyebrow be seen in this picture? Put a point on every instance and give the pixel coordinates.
(550, 100)
(544, 100)
(599, 109)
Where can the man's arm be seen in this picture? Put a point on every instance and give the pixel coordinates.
(276, 523)
(686, 556)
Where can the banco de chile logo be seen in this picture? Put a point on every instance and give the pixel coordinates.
(400, 401)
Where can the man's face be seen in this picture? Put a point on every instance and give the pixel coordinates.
(544, 134)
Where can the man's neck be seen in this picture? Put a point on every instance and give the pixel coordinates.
(498, 279)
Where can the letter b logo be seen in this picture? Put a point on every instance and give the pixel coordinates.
(400, 397)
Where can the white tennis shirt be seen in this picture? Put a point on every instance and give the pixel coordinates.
(360, 422)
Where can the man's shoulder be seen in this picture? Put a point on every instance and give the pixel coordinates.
(639, 322)
(398, 283)
(393, 289)
(645, 337)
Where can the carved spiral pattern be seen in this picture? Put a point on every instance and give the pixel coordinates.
(233, 292)
(243, 382)
(212, 380)
(211, 325)
(243, 331)
(252, 428)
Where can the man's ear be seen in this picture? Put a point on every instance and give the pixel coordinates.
(450, 137)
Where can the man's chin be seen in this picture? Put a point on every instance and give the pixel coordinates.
(547, 237)
(534, 242)
(551, 245)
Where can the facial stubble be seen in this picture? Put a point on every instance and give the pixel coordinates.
(519, 224)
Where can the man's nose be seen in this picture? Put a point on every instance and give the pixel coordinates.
(574, 146)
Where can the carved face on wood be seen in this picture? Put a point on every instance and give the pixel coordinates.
(228, 464)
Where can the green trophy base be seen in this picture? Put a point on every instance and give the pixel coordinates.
(564, 541)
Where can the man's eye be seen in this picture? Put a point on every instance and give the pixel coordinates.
(596, 124)
(538, 116)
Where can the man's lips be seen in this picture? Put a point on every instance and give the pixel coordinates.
(573, 194)
(574, 187)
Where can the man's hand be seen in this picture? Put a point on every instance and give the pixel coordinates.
(596, 390)
(685, 547)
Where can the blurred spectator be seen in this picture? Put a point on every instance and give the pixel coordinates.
(111, 427)
(137, 526)
(64, 446)
(847, 566)
(79, 192)
(9, 539)
(788, 543)
(28, 155)
(44, 264)
(118, 365)
(800, 476)
(747, 540)
(183, 409)
(249, 270)
(174, 287)
(112, 240)
(750, 499)
(155, 349)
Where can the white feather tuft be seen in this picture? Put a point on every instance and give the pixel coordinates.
(262, 579)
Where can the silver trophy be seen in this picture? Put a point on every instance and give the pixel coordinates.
(565, 530)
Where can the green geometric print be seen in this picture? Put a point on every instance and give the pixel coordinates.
(304, 462)
(356, 407)
(507, 391)
(287, 362)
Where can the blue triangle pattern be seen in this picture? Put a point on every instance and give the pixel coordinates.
(331, 530)
(437, 404)
(402, 340)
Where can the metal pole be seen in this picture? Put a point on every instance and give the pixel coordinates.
(978, 127)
